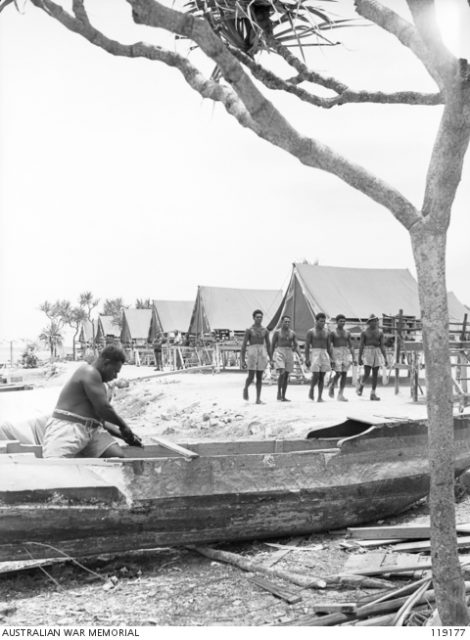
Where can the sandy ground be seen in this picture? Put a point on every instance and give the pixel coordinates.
(207, 406)
(178, 587)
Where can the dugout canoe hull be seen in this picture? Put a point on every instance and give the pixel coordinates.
(232, 491)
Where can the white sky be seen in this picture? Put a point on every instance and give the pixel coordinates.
(116, 177)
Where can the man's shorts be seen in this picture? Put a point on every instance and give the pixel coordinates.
(63, 439)
(256, 357)
(372, 357)
(320, 361)
(342, 358)
(284, 359)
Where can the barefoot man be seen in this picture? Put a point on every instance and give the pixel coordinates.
(343, 355)
(255, 353)
(371, 354)
(77, 426)
(284, 344)
(318, 341)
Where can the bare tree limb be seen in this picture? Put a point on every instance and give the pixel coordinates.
(403, 30)
(272, 126)
(424, 16)
(204, 86)
(249, 106)
(345, 94)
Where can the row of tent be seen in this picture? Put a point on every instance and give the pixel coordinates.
(354, 292)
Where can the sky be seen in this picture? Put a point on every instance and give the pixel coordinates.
(117, 178)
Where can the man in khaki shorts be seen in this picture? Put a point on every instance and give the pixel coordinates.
(255, 353)
(284, 344)
(372, 355)
(343, 356)
(79, 424)
(317, 343)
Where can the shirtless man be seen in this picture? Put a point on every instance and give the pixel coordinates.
(318, 340)
(255, 353)
(343, 355)
(77, 426)
(283, 345)
(372, 355)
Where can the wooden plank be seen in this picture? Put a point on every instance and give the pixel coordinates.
(367, 544)
(425, 545)
(26, 565)
(282, 552)
(405, 532)
(172, 446)
(380, 562)
(418, 545)
(284, 594)
(334, 607)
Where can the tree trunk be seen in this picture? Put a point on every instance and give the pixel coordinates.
(74, 343)
(429, 247)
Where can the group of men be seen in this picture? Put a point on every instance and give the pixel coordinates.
(85, 424)
(325, 351)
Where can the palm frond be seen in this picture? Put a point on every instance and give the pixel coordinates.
(256, 25)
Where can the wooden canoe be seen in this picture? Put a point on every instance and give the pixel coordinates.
(231, 491)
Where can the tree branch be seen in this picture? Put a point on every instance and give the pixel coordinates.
(424, 16)
(403, 30)
(249, 106)
(345, 94)
(272, 126)
(210, 89)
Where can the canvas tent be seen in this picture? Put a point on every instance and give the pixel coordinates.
(224, 309)
(354, 292)
(170, 316)
(107, 328)
(136, 326)
(87, 332)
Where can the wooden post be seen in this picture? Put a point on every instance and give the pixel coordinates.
(415, 376)
(463, 362)
(398, 339)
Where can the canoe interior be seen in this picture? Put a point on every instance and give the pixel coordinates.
(322, 438)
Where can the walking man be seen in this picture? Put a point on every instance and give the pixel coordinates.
(284, 344)
(317, 342)
(255, 353)
(372, 355)
(343, 355)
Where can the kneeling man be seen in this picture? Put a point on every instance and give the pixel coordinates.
(78, 426)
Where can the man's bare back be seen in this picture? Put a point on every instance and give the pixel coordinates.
(75, 396)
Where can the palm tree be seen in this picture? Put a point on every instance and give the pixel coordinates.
(140, 303)
(88, 302)
(77, 316)
(52, 337)
(113, 307)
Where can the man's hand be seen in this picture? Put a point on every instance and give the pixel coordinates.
(360, 362)
(307, 364)
(244, 365)
(131, 438)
